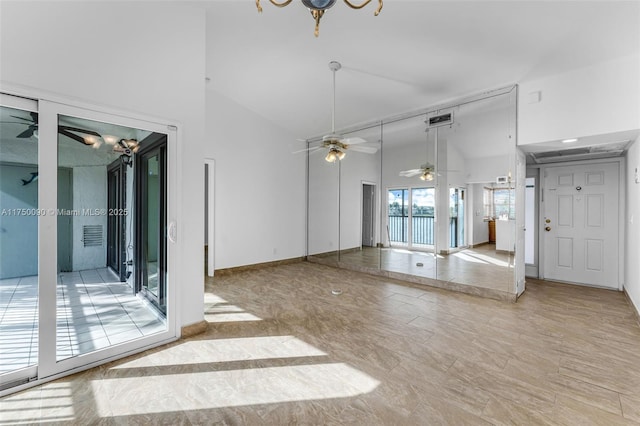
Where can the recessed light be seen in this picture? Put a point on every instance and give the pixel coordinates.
(569, 140)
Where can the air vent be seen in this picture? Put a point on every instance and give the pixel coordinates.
(564, 153)
(92, 235)
(585, 153)
(440, 120)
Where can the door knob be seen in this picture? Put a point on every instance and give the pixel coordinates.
(548, 228)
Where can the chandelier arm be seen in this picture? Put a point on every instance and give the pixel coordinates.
(283, 4)
(317, 14)
(355, 6)
(366, 2)
(258, 6)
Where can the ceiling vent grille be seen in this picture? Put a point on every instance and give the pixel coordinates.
(92, 235)
(440, 120)
(583, 153)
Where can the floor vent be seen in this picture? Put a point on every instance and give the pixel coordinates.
(92, 235)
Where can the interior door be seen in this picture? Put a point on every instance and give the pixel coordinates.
(580, 228)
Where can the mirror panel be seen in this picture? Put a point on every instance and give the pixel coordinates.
(408, 185)
(323, 230)
(436, 201)
(475, 214)
(359, 199)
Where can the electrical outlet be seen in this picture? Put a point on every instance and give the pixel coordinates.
(637, 175)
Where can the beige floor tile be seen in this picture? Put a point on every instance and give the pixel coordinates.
(382, 353)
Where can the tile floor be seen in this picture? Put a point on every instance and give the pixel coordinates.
(282, 349)
(94, 310)
(480, 267)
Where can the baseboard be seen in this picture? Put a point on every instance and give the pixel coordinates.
(480, 244)
(194, 329)
(235, 270)
(633, 306)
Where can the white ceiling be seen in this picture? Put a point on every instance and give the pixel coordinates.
(413, 55)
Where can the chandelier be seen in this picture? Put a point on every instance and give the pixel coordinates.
(318, 7)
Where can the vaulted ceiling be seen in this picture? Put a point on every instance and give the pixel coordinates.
(413, 55)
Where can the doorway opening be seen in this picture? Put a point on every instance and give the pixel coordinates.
(368, 214)
(456, 218)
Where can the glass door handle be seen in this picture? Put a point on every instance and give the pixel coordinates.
(172, 232)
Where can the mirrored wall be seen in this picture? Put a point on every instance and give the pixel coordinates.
(427, 197)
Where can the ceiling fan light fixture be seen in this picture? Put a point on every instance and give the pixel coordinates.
(427, 175)
(331, 156)
(340, 154)
(110, 139)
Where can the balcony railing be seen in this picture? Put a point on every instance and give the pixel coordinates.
(422, 230)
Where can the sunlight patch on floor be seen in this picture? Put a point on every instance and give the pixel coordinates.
(231, 388)
(227, 350)
(468, 258)
(53, 403)
(489, 259)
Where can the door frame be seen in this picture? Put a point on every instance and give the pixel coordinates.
(531, 270)
(159, 147)
(622, 202)
(210, 165)
(120, 204)
(373, 210)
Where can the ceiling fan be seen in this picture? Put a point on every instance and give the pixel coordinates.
(68, 131)
(426, 172)
(335, 143)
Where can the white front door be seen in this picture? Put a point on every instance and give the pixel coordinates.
(580, 224)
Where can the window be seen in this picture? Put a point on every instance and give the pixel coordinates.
(499, 203)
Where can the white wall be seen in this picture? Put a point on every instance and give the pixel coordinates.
(18, 232)
(632, 249)
(599, 99)
(147, 57)
(324, 210)
(89, 192)
(259, 186)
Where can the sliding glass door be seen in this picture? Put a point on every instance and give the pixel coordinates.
(151, 229)
(79, 242)
(19, 210)
(411, 217)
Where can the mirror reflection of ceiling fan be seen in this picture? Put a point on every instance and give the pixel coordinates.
(84, 136)
(426, 172)
(336, 144)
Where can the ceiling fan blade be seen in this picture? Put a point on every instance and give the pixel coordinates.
(27, 133)
(73, 136)
(78, 130)
(312, 149)
(411, 173)
(352, 141)
(22, 118)
(365, 149)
